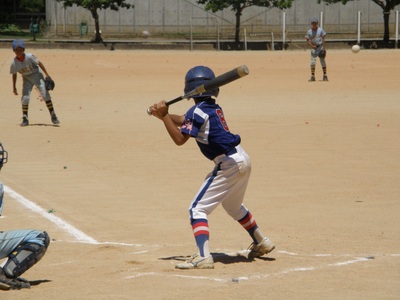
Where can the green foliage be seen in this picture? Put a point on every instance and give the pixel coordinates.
(9, 28)
(93, 6)
(333, 1)
(239, 5)
(97, 4)
(33, 6)
(386, 5)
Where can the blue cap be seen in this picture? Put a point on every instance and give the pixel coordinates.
(18, 43)
(314, 20)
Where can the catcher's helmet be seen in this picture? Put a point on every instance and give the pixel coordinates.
(3, 156)
(197, 76)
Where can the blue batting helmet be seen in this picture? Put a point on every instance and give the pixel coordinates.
(197, 76)
(3, 156)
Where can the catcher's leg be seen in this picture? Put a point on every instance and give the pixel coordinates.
(25, 256)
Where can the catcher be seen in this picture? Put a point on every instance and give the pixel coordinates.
(315, 38)
(31, 70)
(22, 248)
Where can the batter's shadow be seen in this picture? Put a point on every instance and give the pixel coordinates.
(220, 257)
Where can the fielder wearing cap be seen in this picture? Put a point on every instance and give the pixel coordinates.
(315, 38)
(31, 70)
(18, 43)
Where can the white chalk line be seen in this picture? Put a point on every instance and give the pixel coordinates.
(60, 223)
(253, 277)
(81, 237)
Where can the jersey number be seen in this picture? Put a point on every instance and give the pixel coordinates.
(222, 119)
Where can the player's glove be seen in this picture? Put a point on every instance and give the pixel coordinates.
(322, 53)
(49, 83)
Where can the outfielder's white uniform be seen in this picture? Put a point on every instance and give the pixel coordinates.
(316, 38)
(31, 76)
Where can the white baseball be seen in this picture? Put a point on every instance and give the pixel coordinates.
(355, 48)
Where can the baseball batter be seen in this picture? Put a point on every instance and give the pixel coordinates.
(226, 184)
(31, 70)
(22, 248)
(315, 38)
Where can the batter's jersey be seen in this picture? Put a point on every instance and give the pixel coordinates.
(30, 65)
(315, 37)
(205, 122)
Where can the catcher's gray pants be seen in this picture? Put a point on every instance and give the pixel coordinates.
(11, 239)
(314, 55)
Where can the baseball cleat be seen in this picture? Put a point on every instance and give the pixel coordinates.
(325, 78)
(312, 79)
(12, 283)
(25, 121)
(54, 119)
(258, 250)
(197, 262)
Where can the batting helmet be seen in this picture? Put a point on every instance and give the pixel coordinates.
(3, 156)
(196, 77)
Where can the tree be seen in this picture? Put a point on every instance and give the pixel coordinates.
(93, 6)
(386, 5)
(33, 6)
(239, 5)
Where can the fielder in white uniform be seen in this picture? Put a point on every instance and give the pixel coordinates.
(226, 184)
(31, 70)
(315, 38)
(22, 248)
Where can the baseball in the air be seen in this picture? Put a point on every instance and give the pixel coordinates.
(355, 49)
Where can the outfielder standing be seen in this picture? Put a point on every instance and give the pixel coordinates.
(315, 38)
(23, 248)
(30, 68)
(226, 184)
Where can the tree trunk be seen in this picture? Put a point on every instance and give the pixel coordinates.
(386, 15)
(237, 27)
(95, 16)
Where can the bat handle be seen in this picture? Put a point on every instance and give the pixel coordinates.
(168, 103)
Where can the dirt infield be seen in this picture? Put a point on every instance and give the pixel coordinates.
(112, 190)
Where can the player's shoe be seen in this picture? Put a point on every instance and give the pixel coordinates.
(25, 121)
(325, 78)
(196, 262)
(258, 250)
(311, 79)
(54, 119)
(12, 283)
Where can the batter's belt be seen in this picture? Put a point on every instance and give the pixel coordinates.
(230, 152)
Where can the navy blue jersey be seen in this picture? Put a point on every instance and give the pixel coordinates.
(205, 122)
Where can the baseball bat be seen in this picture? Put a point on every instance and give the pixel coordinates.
(218, 81)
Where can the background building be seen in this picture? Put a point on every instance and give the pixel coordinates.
(174, 18)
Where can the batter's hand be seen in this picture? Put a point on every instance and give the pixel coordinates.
(159, 110)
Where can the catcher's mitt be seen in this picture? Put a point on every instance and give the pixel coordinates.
(322, 53)
(49, 83)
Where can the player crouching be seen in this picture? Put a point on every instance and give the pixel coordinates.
(22, 248)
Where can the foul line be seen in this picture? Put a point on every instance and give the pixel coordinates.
(60, 223)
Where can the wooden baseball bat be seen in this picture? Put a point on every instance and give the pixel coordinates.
(218, 81)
